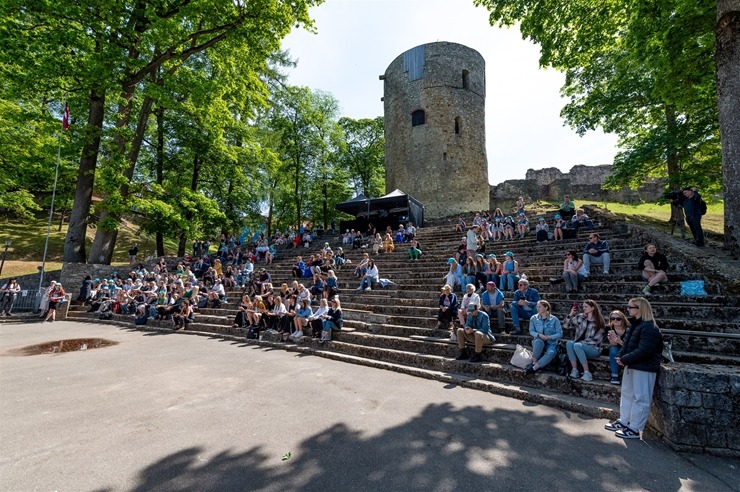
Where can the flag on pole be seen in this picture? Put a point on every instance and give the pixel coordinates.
(65, 118)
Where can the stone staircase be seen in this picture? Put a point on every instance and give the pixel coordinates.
(394, 327)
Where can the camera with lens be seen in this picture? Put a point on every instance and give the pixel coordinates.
(675, 196)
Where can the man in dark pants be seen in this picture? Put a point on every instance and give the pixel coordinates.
(692, 210)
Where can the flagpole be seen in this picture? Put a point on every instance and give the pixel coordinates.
(51, 212)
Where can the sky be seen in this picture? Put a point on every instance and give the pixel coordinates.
(356, 40)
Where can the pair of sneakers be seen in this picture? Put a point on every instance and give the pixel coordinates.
(574, 374)
(621, 430)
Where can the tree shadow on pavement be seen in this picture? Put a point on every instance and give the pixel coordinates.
(444, 448)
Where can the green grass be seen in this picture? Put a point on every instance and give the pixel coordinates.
(28, 238)
(655, 214)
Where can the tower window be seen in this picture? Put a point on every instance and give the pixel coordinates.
(418, 117)
(458, 125)
(465, 80)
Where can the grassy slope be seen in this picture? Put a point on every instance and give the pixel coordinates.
(28, 238)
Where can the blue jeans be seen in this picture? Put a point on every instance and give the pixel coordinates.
(613, 351)
(550, 348)
(494, 277)
(366, 282)
(509, 281)
(581, 351)
(518, 312)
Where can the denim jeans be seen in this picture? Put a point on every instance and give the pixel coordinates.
(581, 351)
(613, 351)
(550, 348)
(518, 312)
(589, 260)
(367, 282)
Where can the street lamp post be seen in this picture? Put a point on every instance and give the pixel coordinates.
(8, 242)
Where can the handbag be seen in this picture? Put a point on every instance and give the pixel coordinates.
(693, 288)
(522, 357)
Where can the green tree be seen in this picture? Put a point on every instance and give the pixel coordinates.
(364, 157)
(118, 49)
(640, 70)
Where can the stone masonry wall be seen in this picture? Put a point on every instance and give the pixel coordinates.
(697, 408)
(442, 163)
(582, 183)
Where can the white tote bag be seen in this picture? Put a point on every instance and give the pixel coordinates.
(522, 357)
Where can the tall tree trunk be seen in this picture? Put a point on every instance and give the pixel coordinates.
(728, 96)
(160, 169)
(673, 163)
(189, 215)
(74, 243)
(61, 219)
(105, 239)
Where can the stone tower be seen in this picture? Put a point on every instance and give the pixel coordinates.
(435, 145)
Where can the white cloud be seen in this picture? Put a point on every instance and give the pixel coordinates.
(358, 39)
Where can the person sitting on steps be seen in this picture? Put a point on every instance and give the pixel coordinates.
(596, 252)
(477, 330)
(546, 331)
(523, 304)
(589, 329)
(447, 308)
(492, 301)
(653, 266)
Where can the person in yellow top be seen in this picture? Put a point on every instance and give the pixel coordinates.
(388, 245)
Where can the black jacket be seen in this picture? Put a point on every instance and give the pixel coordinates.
(642, 347)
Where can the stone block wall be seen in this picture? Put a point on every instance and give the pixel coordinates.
(74, 273)
(696, 408)
(442, 162)
(582, 183)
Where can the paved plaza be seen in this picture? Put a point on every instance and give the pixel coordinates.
(173, 412)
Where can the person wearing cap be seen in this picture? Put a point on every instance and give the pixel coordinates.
(470, 297)
(580, 219)
(493, 269)
(477, 330)
(339, 259)
(509, 227)
(454, 274)
(522, 225)
(692, 209)
(523, 305)
(567, 208)
(492, 302)
(542, 230)
(447, 308)
(546, 331)
(509, 272)
(557, 227)
(56, 296)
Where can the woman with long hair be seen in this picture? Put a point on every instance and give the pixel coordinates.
(618, 325)
(640, 356)
(589, 329)
(333, 320)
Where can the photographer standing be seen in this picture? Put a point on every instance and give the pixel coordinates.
(692, 208)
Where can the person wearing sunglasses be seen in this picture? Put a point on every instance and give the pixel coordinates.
(618, 325)
(640, 356)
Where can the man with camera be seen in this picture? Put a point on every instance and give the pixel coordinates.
(692, 207)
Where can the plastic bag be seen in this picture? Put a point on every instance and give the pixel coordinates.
(522, 357)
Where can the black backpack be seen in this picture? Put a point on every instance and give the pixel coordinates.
(702, 206)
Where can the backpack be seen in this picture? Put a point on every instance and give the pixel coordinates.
(702, 206)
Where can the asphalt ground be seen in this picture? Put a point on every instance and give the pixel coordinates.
(169, 412)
